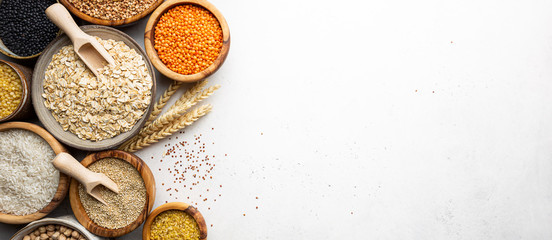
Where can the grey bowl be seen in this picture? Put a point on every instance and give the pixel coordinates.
(68, 221)
(46, 117)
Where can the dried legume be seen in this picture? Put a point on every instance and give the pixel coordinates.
(123, 208)
(54, 232)
(10, 90)
(24, 27)
(188, 39)
(174, 224)
(112, 10)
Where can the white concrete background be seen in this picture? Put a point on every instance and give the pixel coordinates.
(376, 120)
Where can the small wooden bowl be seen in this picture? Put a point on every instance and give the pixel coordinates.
(99, 21)
(63, 179)
(149, 181)
(24, 109)
(45, 116)
(190, 210)
(149, 37)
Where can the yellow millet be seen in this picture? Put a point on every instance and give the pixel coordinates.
(174, 224)
(10, 90)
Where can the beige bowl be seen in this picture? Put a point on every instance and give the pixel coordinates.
(46, 117)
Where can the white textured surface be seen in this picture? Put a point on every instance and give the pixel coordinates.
(424, 119)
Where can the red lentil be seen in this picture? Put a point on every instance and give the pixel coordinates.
(188, 39)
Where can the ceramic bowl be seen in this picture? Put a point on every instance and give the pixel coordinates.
(46, 117)
(4, 50)
(67, 221)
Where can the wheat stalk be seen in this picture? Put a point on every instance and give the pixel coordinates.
(183, 121)
(189, 94)
(154, 124)
(158, 107)
(178, 109)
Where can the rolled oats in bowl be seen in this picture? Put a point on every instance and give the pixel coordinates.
(97, 108)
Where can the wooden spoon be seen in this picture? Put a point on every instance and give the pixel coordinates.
(90, 180)
(89, 50)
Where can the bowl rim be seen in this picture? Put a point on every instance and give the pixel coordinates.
(51, 221)
(145, 173)
(25, 96)
(149, 36)
(54, 127)
(187, 208)
(105, 22)
(63, 185)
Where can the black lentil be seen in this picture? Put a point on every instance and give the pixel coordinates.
(24, 28)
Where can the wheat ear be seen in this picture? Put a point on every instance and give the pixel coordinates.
(183, 121)
(189, 94)
(177, 111)
(158, 107)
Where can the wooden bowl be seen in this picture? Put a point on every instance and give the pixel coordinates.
(46, 117)
(99, 21)
(190, 210)
(63, 179)
(149, 37)
(24, 109)
(149, 181)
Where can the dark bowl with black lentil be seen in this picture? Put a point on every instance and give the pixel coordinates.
(25, 31)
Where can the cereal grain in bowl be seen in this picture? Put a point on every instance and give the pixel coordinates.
(28, 179)
(123, 208)
(11, 90)
(13, 167)
(112, 10)
(128, 188)
(97, 108)
(175, 220)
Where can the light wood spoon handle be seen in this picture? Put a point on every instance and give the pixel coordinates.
(70, 166)
(59, 15)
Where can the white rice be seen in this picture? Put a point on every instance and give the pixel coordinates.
(28, 179)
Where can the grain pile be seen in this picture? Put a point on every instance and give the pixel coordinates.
(97, 108)
(28, 179)
(11, 90)
(123, 208)
(188, 39)
(112, 10)
(174, 224)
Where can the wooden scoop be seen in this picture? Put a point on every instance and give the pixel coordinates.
(89, 50)
(90, 180)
